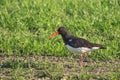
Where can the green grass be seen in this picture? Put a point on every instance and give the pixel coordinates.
(25, 27)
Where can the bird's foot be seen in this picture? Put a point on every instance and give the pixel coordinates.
(81, 63)
(85, 64)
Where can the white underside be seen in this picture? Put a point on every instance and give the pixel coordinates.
(81, 49)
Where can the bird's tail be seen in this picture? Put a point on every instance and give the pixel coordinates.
(100, 46)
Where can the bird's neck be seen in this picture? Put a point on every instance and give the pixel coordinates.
(66, 38)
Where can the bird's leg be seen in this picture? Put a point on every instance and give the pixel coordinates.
(82, 58)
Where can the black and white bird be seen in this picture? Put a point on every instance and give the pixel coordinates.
(77, 45)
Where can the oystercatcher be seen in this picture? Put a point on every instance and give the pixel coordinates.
(77, 45)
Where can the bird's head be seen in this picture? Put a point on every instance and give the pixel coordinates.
(61, 30)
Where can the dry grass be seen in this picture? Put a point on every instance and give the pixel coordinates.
(56, 68)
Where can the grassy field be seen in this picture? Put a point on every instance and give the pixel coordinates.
(26, 52)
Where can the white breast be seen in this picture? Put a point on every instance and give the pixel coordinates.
(81, 49)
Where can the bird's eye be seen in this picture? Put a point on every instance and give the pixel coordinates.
(61, 29)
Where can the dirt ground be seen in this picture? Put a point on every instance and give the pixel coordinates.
(56, 68)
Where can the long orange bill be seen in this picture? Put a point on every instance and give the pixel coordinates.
(54, 34)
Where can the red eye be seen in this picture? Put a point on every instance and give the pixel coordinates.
(61, 29)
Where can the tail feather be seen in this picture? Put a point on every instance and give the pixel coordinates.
(100, 46)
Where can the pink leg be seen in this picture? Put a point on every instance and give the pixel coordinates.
(82, 58)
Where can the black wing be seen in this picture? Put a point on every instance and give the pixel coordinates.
(80, 42)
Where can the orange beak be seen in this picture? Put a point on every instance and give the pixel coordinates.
(54, 34)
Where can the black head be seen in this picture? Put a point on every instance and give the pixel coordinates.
(62, 31)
